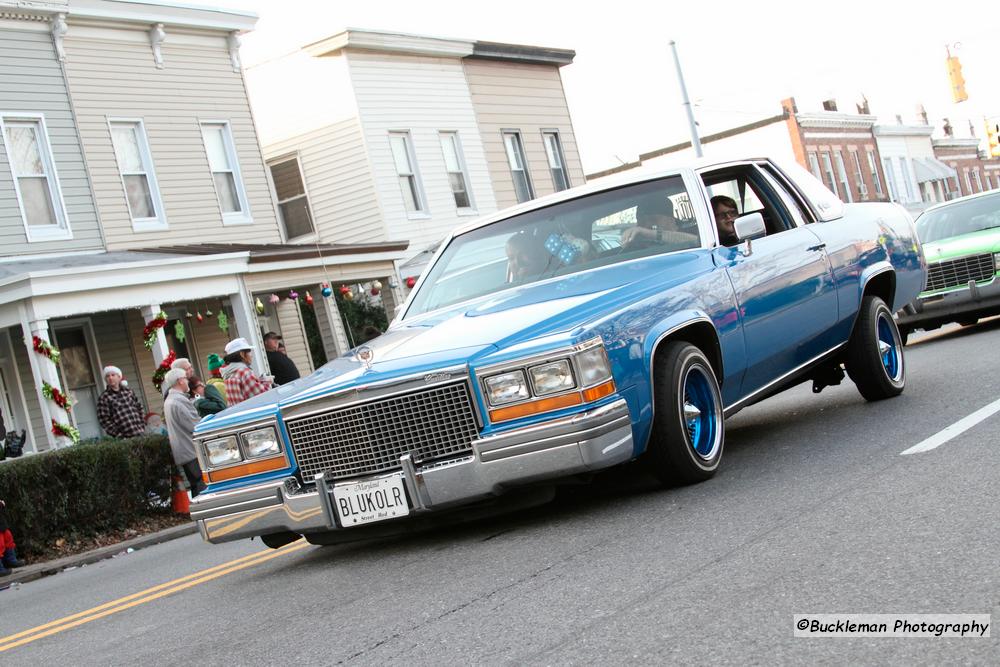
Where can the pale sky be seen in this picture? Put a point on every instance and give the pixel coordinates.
(740, 58)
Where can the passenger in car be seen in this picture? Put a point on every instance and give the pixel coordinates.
(656, 226)
(726, 211)
(526, 257)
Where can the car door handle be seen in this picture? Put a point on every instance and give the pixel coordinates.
(821, 246)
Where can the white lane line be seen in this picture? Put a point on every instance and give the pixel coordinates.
(956, 429)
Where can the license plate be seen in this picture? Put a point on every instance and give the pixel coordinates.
(370, 501)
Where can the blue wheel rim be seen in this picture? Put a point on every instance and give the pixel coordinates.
(888, 343)
(700, 412)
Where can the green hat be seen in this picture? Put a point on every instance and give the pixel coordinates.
(215, 362)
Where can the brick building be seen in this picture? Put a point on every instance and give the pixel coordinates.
(839, 149)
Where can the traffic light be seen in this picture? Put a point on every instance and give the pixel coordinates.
(958, 93)
(993, 135)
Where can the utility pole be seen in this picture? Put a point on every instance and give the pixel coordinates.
(695, 141)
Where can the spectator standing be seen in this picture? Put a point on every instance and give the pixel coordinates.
(283, 368)
(118, 409)
(215, 365)
(181, 419)
(241, 382)
(8, 550)
(207, 400)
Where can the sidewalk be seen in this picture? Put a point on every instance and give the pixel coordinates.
(33, 571)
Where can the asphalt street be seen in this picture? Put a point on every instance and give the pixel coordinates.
(815, 510)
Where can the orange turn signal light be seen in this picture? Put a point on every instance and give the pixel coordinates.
(600, 391)
(553, 403)
(244, 469)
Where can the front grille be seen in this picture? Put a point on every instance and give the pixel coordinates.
(958, 272)
(370, 437)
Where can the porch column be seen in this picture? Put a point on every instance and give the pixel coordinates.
(160, 348)
(44, 370)
(331, 326)
(245, 316)
(393, 296)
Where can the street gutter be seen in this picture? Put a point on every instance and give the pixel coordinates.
(32, 572)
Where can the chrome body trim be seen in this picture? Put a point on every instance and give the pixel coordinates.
(597, 438)
(733, 407)
(656, 345)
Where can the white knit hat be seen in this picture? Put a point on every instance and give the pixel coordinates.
(108, 370)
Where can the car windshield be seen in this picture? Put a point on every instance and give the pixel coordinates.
(596, 230)
(960, 218)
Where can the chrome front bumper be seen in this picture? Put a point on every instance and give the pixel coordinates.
(588, 441)
(940, 308)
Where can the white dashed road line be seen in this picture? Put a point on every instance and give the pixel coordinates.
(956, 429)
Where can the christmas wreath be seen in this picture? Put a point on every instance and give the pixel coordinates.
(56, 396)
(45, 349)
(65, 430)
(154, 325)
(160, 373)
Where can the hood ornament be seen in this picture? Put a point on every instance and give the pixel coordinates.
(365, 355)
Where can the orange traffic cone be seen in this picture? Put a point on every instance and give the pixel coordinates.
(180, 503)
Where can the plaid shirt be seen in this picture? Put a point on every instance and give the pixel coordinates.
(120, 413)
(241, 383)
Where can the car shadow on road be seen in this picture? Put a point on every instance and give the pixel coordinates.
(756, 434)
(953, 332)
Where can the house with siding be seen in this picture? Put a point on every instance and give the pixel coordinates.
(132, 183)
(383, 137)
(914, 176)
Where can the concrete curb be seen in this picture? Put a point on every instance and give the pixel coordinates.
(32, 572)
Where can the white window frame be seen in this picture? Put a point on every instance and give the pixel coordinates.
(463, 167)
(814, 165)
(62, 230)
(243, 216)
(305, 193)
(159, 221)
(978, 178)
(845, 184)
(422, 210)
(968, 181)
(862, 188)
(561, 155)
(524, 162)
(890, 178)
(873, 166)
(904, 168)
(827, 163)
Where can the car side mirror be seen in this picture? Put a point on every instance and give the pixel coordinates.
(750, 226)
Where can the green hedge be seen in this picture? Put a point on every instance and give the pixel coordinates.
(86, 490)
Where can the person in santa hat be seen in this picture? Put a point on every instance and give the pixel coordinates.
(118, 409)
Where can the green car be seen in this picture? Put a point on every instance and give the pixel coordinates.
(961, 241)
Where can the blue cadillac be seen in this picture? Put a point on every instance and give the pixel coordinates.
(606, 323)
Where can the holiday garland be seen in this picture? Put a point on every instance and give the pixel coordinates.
(65, 430)
(154, 325)
(45, 349)
(161, 373)
(56, 396)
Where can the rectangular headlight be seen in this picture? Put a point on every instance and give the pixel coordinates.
(222, 451)
(594, 366)
(552, 377)
(506, 388)
(260, 443)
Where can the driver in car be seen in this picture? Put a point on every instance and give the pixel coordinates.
(725, 210)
